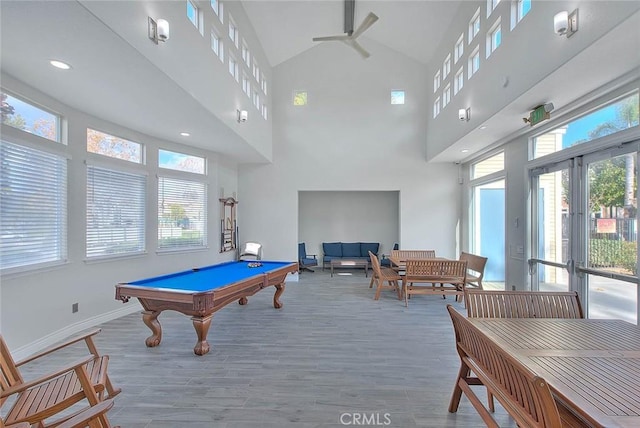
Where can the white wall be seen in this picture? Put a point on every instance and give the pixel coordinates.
(349, 138)
(188, 60)
(36, 306)
(348, 217)
(528, 54)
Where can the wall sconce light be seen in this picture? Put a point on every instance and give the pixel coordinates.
(158, 30)
(565, 23)
(464, 114)
(243, 115)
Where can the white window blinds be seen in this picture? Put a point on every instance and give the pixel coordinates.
(182, 214)
(115, 212)
(33, 207)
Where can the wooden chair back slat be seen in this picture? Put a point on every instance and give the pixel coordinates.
(522, 304)
(413, 254)
(523, 394)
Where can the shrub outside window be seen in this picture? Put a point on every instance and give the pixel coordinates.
(182, 215)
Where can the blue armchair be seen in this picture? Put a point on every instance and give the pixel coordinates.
(306, 261)
(385, 262)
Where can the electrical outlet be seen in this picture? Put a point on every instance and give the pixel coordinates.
(74, 308)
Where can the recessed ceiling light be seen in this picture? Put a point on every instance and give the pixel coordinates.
(59, 64)
(185, 134)
(483, 127)
(464, 150)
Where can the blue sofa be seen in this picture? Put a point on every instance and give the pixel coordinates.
(347, 250)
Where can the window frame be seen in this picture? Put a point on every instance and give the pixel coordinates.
(59, 138)
(473, 65)
(233, 68)
(446, 95)
(458, 81)
(474, 26)
(446, 66)
(458, 50)
(493, 42)
(197, 21)
(234, 32)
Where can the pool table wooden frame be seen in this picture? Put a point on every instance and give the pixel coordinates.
(201, 305)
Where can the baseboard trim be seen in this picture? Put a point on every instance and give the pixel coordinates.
(57, 336)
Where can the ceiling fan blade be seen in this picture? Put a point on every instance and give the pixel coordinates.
(355, 45)
(368, 21)
(329, 38)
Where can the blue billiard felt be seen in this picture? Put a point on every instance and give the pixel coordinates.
(209, 277)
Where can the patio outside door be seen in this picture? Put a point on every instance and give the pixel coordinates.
(609, 270)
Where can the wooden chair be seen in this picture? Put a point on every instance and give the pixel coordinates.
(93, 417)
(384, 275)
(475, 268)
(444, 276)
(522, 304)
(36, 400)
(523, 394)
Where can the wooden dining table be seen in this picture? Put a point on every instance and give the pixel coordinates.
(591, 365)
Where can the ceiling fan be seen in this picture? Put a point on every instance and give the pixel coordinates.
(350, 36)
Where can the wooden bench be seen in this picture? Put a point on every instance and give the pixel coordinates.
(522, 304)
(523, 394)
(442, 276)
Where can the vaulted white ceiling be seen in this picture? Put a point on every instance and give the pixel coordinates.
(412, 27)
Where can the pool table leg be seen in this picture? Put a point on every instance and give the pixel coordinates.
(201, 324)
(276, 297)
(150, 318)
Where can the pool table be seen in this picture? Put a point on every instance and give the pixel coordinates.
(200, 292)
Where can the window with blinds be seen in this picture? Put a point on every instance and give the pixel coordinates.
(182, 214)
(115, 212)
(33, 208)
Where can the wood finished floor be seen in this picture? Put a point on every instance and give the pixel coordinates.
(331, 350)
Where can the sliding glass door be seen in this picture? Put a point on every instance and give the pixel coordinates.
(550, 265)
(584, 230)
